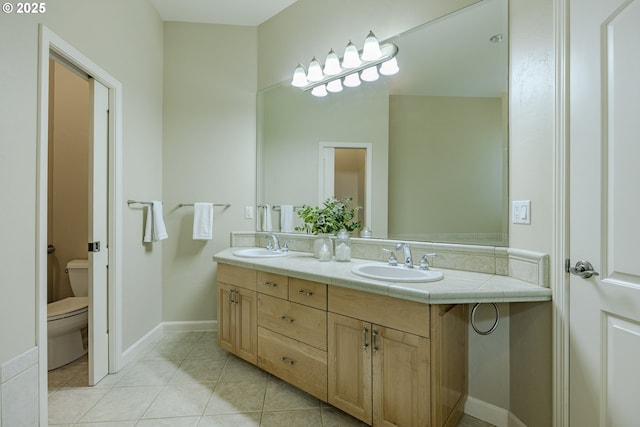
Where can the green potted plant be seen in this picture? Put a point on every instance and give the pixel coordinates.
(334, 215)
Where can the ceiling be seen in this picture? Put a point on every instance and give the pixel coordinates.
(453, 56)
(231, 12)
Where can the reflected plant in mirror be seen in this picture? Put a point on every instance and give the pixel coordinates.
(437, 136)
(333, 216)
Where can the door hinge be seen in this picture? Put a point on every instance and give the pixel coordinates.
(94, 247)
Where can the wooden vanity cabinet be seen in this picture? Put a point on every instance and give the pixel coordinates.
(386, 361)
(237, 314)
(381, 359)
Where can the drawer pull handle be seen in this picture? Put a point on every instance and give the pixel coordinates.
(305, 293)
(364, 338)
(287, 361)
(374, 343)
(286, 319)
(270, 284)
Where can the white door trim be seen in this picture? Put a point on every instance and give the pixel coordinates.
(49, 41)
(560, 250)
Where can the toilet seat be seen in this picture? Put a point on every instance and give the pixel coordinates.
(67, 307)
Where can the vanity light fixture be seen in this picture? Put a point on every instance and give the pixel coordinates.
(348, 70)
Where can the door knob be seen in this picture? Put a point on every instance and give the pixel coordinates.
(583, 269)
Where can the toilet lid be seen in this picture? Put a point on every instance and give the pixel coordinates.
(67, 307)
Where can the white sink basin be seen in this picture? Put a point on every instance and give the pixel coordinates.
(259, 253)
(398, 273)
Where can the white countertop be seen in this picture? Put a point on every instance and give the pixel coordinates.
(456, 287)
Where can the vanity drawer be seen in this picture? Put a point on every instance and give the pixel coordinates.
(296, 363)
(309, 293)
(404, 315)
(237, 276)
(273, 284)
(296, 321)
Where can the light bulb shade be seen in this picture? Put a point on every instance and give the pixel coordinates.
(334, 86)
(352, 80)
(315, 71)
(319, 91)
(332, 64)
(390, 67)
(371, 50)
(299, 77)
(351, 58)
(370, 74)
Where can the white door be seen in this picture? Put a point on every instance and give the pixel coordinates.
(98, 251)
(604, 337)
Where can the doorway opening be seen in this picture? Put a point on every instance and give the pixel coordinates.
(67, 213)
(103, 90)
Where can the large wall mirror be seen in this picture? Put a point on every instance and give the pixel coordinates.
(437, 133)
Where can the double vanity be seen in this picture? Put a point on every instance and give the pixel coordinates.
(388, 353)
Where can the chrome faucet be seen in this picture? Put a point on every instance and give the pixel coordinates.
(406, 250)
(275, 244)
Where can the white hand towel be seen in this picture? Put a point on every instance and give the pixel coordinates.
(154, 228)
(286, 218)
(202, 221)
(159, 230)
(266, 218)
(148, 215)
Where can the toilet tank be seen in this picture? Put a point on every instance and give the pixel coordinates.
(79, 276)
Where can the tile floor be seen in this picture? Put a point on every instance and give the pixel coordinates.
(186, 380)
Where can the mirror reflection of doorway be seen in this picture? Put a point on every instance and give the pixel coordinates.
(350, 173)
(346, 172)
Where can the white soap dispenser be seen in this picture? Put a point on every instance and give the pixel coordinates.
(343, 246)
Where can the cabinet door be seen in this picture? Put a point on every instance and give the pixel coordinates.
(401, 380)
(349, 365)
(226, 317)
(246, 330)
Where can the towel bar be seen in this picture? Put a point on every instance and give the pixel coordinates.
(130, 202)
(226, 205)
(277, 207)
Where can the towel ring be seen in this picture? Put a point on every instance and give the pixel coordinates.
(493, 327)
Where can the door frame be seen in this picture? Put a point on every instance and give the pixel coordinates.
(48, 42)
(560, 249)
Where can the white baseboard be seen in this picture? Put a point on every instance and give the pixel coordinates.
(141, 346)
(487, 412)
(152, 337)
(188, 326)
(515, 421)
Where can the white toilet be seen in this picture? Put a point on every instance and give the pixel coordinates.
(67, 319)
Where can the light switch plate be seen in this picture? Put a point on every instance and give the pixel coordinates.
(521, 212)
(248, 212)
